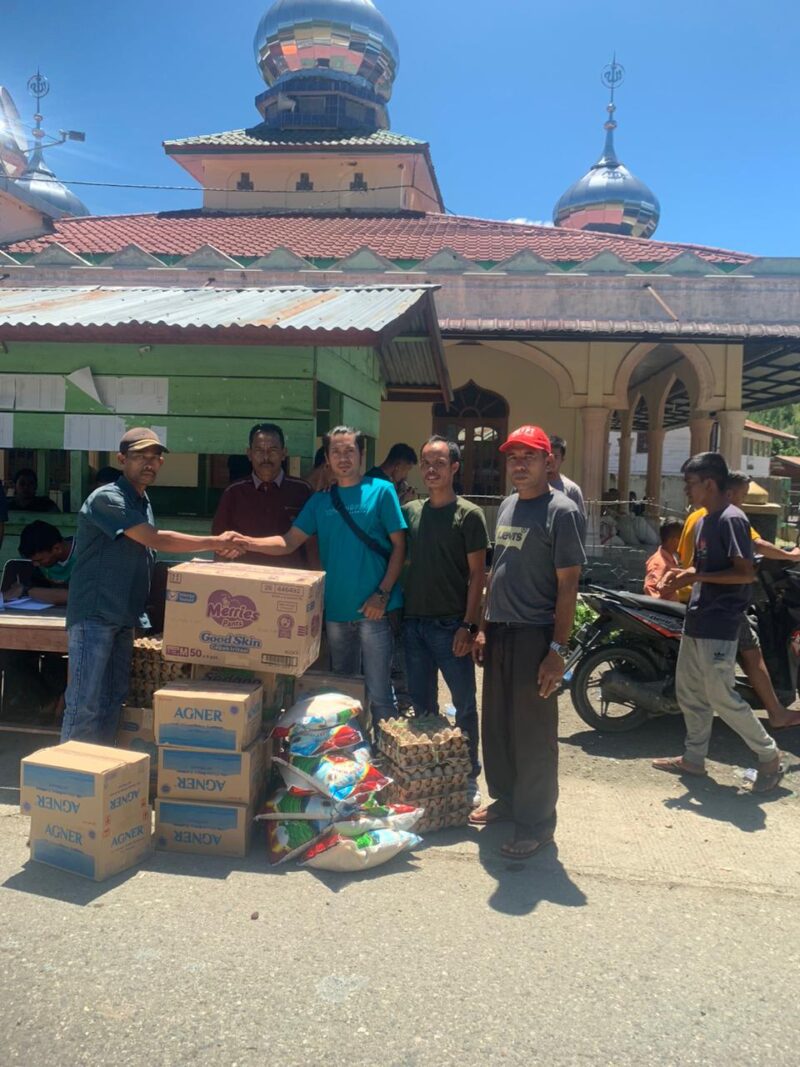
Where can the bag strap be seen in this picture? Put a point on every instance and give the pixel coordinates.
(362, 535)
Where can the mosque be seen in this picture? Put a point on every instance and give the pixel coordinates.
(586, 327)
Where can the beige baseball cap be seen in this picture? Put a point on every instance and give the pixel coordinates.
(140, 438)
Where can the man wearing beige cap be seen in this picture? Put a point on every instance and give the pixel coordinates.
(115, 549)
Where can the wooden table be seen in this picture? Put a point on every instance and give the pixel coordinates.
(33, 631)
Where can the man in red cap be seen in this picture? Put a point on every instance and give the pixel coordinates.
(530, 607)
(115, 550)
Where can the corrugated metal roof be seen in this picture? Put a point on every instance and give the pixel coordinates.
(359, 315)
(367, 309)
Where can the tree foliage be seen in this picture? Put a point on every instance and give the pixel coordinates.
(785, 418)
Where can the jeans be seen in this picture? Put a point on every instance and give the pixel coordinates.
(99, 675)
(367, 643)
(429, 647)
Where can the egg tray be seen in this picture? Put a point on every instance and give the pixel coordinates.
(444, 780)
(420, 743)
(150, 671)
(440, 811)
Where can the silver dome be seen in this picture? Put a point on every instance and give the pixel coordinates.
(40, 181)
(348, 39)
(609, 199)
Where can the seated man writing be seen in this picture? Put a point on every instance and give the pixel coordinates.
(53, 557)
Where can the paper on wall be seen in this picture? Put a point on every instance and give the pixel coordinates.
(93, 433)
(39, 392)
(8, 391)
(134, 396)
(83, 379)
(6, 429)
(98, 433)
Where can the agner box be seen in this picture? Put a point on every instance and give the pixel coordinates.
(225, 716)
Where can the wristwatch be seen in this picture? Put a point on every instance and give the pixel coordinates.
(560, 649)
(381, 593)
(471, 626)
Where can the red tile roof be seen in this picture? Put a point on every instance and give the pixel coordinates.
(397, 237)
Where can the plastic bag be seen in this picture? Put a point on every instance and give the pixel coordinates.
(303, 742)
(333, 852)
(321, 711)
(340, 776)
(284, 806)
(375, 816)
(288, 839)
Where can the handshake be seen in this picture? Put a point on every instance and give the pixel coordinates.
(230, 545)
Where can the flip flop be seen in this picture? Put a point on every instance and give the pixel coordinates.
(766, 781)
(678, 765)
(523, 849)
(488, 815)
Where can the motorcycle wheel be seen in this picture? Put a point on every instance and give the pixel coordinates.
(585, 690)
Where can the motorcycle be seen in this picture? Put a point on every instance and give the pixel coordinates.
(621, 670)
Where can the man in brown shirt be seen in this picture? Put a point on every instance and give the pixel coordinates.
(266, 503)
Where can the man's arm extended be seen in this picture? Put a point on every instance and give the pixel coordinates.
(741, 572)
(476, 561)
(771, 551)
(551, 670)
(278, 545)
(228, 544)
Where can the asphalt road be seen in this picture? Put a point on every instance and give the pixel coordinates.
(664, 930)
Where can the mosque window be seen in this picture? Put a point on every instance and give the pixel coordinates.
(305, 185)
(245, 185)
(358, 184)
(478, 420)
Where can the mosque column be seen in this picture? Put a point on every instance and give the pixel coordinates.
(731, 432)
(595, 431)
(655, 462)
(625, 450)
(700, 427)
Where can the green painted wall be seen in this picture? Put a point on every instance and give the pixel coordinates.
(215, 393)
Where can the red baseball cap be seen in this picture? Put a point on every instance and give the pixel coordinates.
(528, 437)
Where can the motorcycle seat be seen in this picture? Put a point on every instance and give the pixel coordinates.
(664, 607)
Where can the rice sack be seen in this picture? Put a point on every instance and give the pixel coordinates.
(351, 854)
(322, 711)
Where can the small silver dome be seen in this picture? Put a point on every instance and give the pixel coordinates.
(40, 181)
(348, 39)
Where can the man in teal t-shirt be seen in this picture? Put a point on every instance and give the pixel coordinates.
(361, 583)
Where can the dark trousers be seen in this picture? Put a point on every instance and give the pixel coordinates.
(520, 729)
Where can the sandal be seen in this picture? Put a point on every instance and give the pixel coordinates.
(490, 814)
(524, 849)
(769, 776)
(678, 765)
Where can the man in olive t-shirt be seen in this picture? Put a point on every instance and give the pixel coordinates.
(447, 541)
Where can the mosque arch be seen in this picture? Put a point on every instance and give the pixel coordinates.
(477, 419)
(702, 390)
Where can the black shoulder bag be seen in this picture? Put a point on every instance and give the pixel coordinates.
(362, 535)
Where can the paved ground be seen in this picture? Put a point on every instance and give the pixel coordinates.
(664, 930)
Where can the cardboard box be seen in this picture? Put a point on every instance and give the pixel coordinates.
(278, 688)
(59, 843)
(88, 787)
(205, 829)
(235, 615)
(136, 725)
(218, 715)
(200, 774)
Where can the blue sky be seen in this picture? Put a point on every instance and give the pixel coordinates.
(508, 93)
